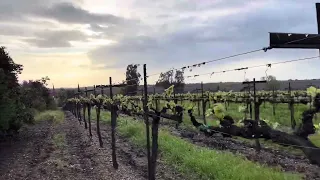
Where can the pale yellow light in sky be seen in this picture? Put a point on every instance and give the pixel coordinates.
(64, 70)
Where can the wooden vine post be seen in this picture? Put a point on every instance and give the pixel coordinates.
(98, 110)
(154, 155)
(152, 163)
(174, 95)
(250, 104)
(257, 104)
(248, 101)
(79, 105)
(291, 107)
(89, 112)
(273, 101)
(75, 106)
(98, 123)
(198, 102)
(203, 105)
(89, 119)
(113, 127)
(84, 107)
(146, 118)
(256, 115)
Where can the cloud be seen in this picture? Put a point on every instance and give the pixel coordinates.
(14, 30)
(162, 34)
(70, 13)
(17, 10)
(49, 39)
(179, 43)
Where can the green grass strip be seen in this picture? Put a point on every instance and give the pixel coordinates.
(198, 162)
(56, 116)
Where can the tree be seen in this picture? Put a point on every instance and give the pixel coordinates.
(63, 95)
(36, 95)
(132, 79)
(172, 78)
(179, 81)
(18, 102)
(165, 79)
(272, 83)
(10, 69)
(10, 105)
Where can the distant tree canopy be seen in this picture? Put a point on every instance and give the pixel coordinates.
(18, 103)
(132, 80)
(272, 83)
(62, 95)
(35, 94)
(172, 77)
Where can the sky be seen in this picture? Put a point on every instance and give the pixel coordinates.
(88, 41)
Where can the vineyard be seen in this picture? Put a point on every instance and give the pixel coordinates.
(228, 114)
(170, 135)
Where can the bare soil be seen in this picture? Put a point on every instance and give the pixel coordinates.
(35, 154)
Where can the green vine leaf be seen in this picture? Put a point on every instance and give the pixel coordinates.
(219, 111)
(169, 90)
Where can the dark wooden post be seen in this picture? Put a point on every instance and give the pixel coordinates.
(146, 118)
(273, 102)
(98, 110)
(84, 106)
(174, 95)
(89, 120)
(203, 105)
(250, 103)
(291, 107)
(198, 102)
(154, 154)
(256, 107)
(79, 105)
(113, 128)
(256, 113)
(89, 113)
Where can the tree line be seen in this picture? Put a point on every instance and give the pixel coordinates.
(166, 79)
(19, 103)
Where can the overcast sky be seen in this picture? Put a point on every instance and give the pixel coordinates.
(87, 41)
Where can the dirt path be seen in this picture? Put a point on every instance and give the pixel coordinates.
(134, 156)
(65, 151)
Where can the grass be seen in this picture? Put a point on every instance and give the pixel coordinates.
(59, 140)
(315, 139)
(56, 116)
(197, 162)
